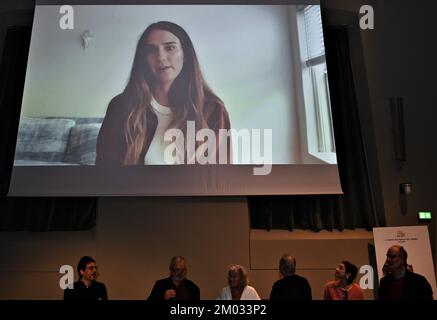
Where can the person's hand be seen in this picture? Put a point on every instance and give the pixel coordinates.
(169, 294)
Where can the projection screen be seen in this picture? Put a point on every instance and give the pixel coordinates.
(138, 98)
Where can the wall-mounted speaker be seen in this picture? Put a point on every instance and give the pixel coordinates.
(398, 127)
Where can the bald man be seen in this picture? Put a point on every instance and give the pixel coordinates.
(399, 283)
(290, 286)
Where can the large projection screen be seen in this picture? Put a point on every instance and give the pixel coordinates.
(138, 98)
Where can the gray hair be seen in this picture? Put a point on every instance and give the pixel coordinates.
(175, 259)
(236, 268)
(287, 265)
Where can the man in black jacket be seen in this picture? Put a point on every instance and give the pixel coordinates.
(399, 283)
(175, 287)
(87, 288)
(291, 286)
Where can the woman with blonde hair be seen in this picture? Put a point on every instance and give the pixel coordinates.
(238, 288)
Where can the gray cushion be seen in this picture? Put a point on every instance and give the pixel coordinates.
(87, 120)
(80, 120)
(81, 148)
(41, 163)
(42, 139)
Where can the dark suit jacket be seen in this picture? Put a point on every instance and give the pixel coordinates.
(416, 287)
(96, 291)
(161, 286)
(292, 287)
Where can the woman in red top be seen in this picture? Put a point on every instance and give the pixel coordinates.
(343, 288)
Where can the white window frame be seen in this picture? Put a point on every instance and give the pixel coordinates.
(317, 134)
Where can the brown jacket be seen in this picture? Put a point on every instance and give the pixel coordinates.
(111, 143)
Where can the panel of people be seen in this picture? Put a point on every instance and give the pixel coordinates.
(399, 282)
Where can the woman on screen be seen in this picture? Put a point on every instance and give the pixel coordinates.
(343, 287)
(238, 288)
(165, 91)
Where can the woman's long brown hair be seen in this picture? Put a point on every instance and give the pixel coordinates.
(188, 94)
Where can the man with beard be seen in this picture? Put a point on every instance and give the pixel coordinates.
(176, 286)
(399, 283)
(87, 288)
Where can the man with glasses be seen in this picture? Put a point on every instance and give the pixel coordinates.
(176, 286)
(399, 283)
(87, 288)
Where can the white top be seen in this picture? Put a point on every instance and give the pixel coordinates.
(249, 293)
(155, 154)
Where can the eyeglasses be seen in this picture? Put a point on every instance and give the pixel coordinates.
(91, 268)
(392, 256)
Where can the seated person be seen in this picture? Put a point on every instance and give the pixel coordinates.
(176, 286)
(291, 286)
(238, 288)
(343, 288)
(399, 282)
(87, 288)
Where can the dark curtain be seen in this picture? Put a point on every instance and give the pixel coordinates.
(356, 207)
(29, 214)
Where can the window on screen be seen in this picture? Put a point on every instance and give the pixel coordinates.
(319, 126)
